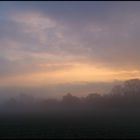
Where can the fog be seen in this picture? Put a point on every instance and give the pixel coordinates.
(111, 115)
(57, 91)
(120, 96)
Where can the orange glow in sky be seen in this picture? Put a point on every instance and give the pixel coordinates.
(78, 73)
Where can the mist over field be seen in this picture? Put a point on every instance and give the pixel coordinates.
(112, 115)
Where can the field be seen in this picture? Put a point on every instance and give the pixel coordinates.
(75, 125)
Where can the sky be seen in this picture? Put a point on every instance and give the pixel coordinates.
(67, 46)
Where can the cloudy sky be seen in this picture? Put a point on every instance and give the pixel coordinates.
(64, 44)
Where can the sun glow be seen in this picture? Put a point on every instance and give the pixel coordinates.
(77, 73)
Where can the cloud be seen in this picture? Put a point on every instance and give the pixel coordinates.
(50, 36)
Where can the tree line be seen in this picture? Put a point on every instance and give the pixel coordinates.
(123, 96)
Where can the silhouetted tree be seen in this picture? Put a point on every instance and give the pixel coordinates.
(122, 96)
(132, 87)
(70, 101)
(126, 95)
(93, 99)
(117, 91)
